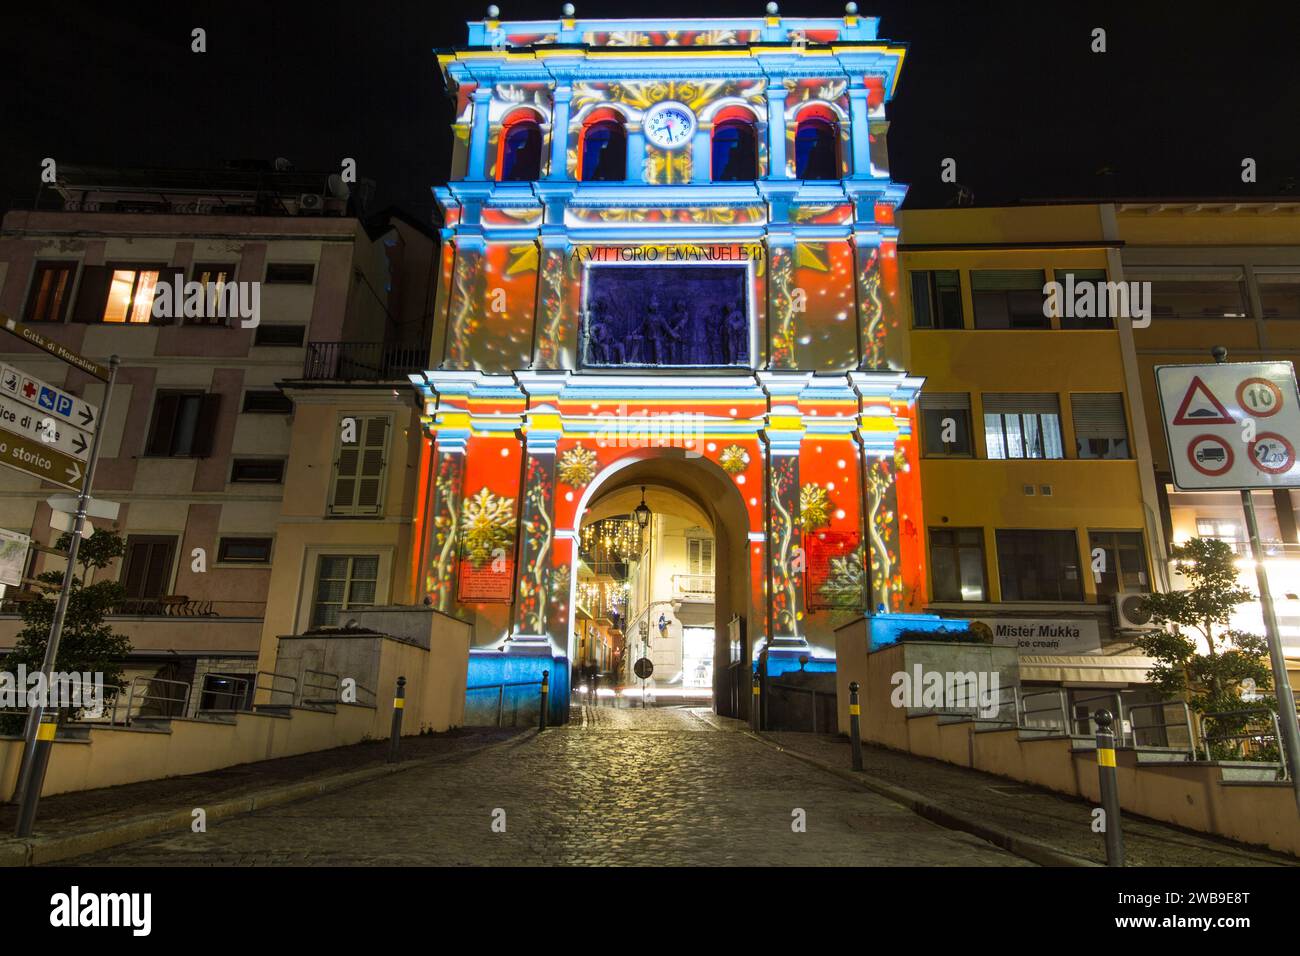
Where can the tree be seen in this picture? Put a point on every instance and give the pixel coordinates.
(87, 642)
(1211, 673)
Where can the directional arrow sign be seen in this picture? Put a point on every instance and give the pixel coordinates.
(34, 457)
(17, 384)
(59, 351)
(44, 428)
(95, 507)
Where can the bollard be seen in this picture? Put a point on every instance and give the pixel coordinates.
(1109, 788)
(395, 736)
(546, 687)
(755, 709)
(855, 732)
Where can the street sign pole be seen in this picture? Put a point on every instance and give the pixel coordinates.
(39, 734)
(1287, 722)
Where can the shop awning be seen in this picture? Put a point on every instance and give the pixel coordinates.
(1084, 668)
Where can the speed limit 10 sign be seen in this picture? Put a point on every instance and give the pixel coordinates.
(1232, 425)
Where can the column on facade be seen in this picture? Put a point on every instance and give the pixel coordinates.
(701, 153)
(781, 293)
(446, 495)
(787, 561)
(869, 298)
(776, 94)
(860, 131)
(535, 569)
(636, 155)
(549, 338)
(478, 136)
(559, 163)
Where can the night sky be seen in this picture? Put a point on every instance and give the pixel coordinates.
(1010, 90)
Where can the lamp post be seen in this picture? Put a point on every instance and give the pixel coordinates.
(642, 515)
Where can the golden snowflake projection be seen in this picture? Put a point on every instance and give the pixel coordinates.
(577, 467)
(814, 506)
(487, 523)
(734, 459)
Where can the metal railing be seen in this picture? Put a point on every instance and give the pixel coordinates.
(693, 585)
(362, 361)
(270, 686)
(311, 682)
(147, 695)
(1161, 727)
(238, 700)
(1251, 742)
(501, 696)
(774, 686)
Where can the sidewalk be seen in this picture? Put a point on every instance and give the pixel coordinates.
(1028, 811)
(105, 807)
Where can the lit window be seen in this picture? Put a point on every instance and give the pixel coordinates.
(130, 296)
(51, 291)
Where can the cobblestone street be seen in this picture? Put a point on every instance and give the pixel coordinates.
(664, 786)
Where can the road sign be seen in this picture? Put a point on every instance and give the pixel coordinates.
(1232, 425)
(95, 507)
(17, 384)
(59, 351)
(60, 521)
(43, 428)
(34, 457)
(643, 668)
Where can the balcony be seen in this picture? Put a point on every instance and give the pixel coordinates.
(693, 587)
(362, 361)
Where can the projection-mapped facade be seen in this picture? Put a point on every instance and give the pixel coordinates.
(672, 239)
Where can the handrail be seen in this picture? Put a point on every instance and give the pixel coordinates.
(271, 688)
(304, 686)
(1246, 734)
(240, 698)
(130, 700)
(500, 688)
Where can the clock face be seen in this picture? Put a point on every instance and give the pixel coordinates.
(669, 125)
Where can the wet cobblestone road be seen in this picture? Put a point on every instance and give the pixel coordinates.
(664, 786)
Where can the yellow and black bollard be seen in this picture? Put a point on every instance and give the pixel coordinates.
(855, 731)
(1109, 781)
(395, 735)
(546, 689)
(756, 704)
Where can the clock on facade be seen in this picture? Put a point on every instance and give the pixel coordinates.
(669, 125)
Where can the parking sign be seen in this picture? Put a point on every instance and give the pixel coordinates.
(1231, 425)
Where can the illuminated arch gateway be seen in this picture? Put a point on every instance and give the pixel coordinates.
(754, 323)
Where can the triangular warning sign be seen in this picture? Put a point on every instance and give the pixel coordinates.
(1205, 410)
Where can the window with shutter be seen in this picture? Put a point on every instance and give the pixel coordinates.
(1099, 427)
(343, 581)
(184, 424)
(1009, 299)
(359, 468)
(148, 568)
(51, 291)
(92, 294)
(945, 424)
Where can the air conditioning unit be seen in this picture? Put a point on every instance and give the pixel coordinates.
(311, 202)
(1131, 611)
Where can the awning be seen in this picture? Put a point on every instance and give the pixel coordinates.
(1084, 668)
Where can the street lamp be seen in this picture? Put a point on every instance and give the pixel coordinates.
(642, 512)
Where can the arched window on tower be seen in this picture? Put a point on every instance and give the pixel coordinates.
(519, 157)
(735, 146)
(817, 145)
(602, 148)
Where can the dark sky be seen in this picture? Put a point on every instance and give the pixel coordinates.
(1008, 89)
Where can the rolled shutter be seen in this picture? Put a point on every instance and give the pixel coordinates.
(1098, 415)
(1021, 403)
(946, 401)
(1005, 280)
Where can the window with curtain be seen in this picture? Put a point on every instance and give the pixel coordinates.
(343, 582)
(1022, 425)
(957, 564)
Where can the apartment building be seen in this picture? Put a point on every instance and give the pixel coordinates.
(198, 439)
(1033, 458)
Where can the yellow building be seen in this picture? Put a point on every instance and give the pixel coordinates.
(1036, 481)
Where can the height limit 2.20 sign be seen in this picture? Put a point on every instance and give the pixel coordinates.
(1233, 425)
